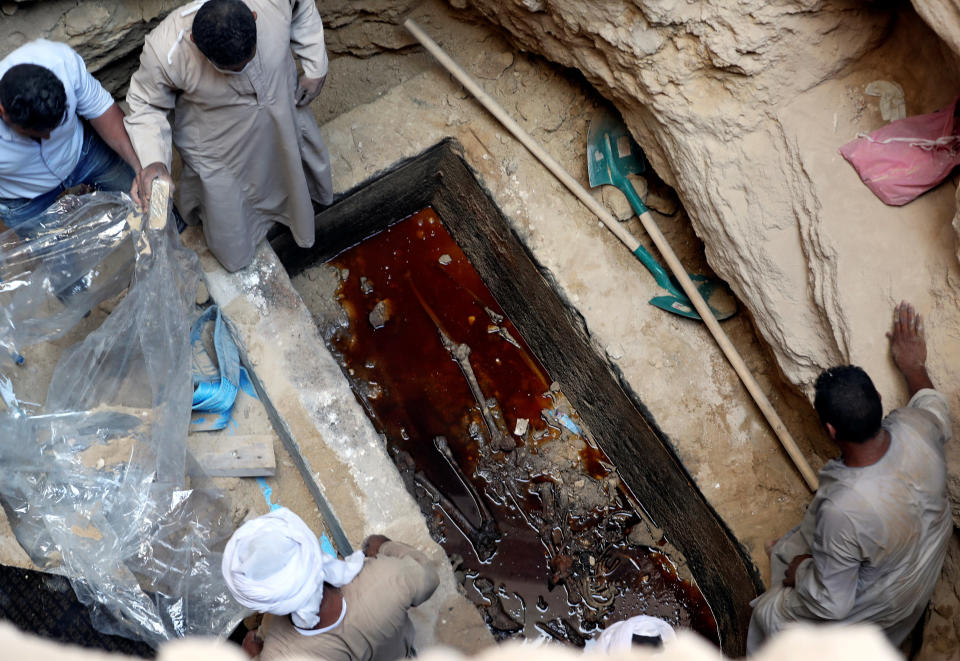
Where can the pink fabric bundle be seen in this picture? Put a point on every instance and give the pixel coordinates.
(908, 157)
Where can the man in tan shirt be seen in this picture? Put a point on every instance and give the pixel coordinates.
(349, 610)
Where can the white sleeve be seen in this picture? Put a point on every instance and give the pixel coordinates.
(151, 96)
(306, 38)
(934, 402)
(92, 99)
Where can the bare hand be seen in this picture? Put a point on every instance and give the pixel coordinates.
(908, 346)
(790, 576)
(308, 89)
(252, 643)
(140, 191)
(371, 546)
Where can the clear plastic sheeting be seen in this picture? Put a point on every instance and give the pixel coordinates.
(98, 484)
(70, 263)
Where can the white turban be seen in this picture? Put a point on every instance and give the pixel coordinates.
(618, 636)
(274, 564)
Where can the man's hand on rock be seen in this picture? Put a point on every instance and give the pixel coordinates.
(371, 546)
(908, 346)
(140, 191)
(308, 89)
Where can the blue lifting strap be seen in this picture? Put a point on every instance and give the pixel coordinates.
(216, 379)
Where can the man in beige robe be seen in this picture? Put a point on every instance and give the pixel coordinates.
(325, 608)
(251, 149)
(872, 543)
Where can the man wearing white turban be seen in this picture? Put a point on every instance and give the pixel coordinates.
(638, 630)
(338, 610)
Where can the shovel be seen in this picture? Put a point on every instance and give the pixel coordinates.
(611, 156)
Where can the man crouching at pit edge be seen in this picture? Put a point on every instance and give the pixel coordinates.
(337, 610)
(871, 545)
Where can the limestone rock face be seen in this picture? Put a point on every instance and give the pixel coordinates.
(742, 107)
(107, 33)
(944, 17)
(365, 27)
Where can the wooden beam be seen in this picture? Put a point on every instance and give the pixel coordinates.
(225, 455)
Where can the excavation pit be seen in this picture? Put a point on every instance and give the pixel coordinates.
(559, 346)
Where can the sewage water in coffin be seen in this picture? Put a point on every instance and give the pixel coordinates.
(544, 538)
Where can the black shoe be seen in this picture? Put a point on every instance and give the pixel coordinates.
(181, 223)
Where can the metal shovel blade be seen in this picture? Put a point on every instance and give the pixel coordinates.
(611, 155)
(718, 298)
(626, 155)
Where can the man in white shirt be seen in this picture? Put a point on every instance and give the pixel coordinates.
(45, 148)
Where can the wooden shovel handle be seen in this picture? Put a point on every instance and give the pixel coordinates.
(766, 408)
(575, 187)
(750, 383)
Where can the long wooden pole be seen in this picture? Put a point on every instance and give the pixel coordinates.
(650, 225)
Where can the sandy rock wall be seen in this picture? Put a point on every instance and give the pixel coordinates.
(944, 17)
(107, 33)
(743, 106)
(365, 27)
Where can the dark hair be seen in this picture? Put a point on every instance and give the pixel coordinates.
(848, 400)
(33, 97)
(226, 32)
(638, 640)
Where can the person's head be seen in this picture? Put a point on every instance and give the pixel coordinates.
(33, 101)
(639, 640)
(274, 564)
(636, 631)
(848, 404)
(225, 31)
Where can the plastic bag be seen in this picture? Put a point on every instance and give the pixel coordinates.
(98, 484)
(908, 157)
(69, 265)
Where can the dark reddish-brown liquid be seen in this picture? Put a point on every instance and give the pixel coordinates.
(414, 391)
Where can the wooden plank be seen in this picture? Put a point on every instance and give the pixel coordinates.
(225, 455)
